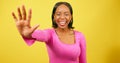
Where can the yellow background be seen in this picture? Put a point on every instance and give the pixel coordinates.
(99, 20)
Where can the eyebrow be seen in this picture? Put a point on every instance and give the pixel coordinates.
(64, 12)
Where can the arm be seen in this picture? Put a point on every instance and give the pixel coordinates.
(39, 35)
(82, 57)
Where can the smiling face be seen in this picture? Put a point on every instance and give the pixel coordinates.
(62, 16)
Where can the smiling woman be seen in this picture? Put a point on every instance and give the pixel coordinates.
(64, 44)
(67, 13)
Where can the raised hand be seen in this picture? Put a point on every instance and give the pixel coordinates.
(23, 22)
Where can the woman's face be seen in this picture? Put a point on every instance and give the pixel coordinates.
(62, 16)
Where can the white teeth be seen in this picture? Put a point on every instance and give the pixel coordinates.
(62, 22)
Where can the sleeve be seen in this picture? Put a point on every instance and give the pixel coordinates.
(82, 57)
(39, 35)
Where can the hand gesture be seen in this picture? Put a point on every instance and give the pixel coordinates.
(23, 22)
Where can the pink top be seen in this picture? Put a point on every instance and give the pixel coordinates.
(59, 52)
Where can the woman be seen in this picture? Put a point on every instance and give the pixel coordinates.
(64, 44)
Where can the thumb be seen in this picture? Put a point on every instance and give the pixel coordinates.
(34, 27)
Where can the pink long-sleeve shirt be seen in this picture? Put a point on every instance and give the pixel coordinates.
(59, 52)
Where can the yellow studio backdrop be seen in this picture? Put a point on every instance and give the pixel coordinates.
(99, 20)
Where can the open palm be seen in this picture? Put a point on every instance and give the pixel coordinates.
(23, 23)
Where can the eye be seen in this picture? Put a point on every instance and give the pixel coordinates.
(58, 14)
(66, 14)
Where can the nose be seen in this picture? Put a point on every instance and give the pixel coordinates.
(62, 16)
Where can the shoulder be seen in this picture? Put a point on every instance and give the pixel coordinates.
(78, 33)
(81, 38)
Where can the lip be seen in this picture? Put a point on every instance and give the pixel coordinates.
(62, 23)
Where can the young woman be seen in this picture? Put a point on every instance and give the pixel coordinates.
(64, 44)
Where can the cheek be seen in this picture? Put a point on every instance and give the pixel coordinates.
(56, 18)
(68, 18)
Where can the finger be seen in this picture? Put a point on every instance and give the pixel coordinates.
(24, 12)
(19, 14)
(34, 28)
(29, 15)
(15, 18)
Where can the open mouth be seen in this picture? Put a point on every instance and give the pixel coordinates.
(62, 23)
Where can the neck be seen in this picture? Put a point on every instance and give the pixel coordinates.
(63, 30)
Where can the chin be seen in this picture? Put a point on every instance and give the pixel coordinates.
(63, 27)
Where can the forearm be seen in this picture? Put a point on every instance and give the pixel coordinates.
(39, 35)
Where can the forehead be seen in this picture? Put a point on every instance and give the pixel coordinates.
(62, 8)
